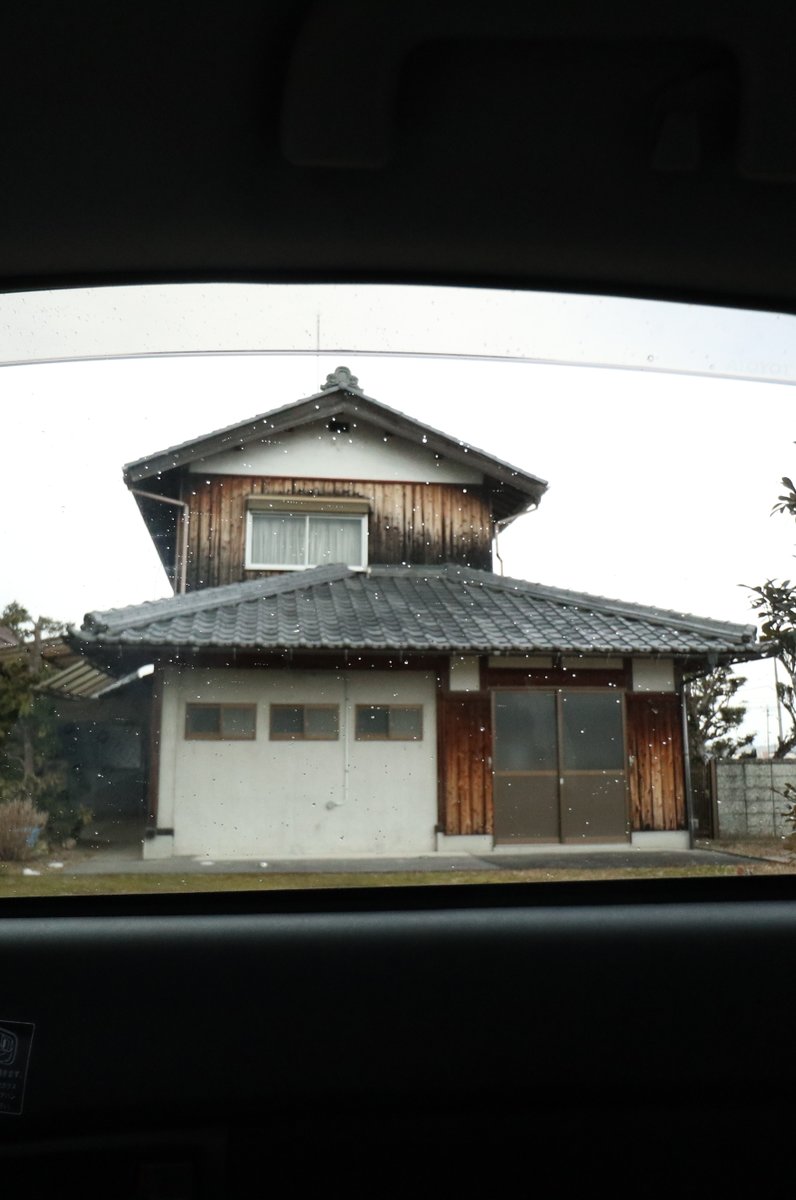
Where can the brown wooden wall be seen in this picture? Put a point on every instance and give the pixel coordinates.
(656, 775)
(409, 522)
(465, 764)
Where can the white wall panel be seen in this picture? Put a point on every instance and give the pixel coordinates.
(261, 799)
(313, 452)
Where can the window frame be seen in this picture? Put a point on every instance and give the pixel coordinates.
(303, 736)
(326, 513)
(189, 736)
(388, 737)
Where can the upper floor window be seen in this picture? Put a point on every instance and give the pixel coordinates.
(283, 537)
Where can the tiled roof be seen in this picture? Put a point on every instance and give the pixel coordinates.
(54, 650)
(421, 609)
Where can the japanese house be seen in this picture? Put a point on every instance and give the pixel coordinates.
(340, 671)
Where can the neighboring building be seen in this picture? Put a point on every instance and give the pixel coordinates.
(95, 731)
(103, 726)
(408, 700)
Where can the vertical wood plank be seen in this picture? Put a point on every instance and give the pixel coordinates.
(409, 523)
(465, 749)
(657, 788)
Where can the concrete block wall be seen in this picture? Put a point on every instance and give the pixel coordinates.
(750, 800)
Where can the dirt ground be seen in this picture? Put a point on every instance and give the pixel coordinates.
(778, 853)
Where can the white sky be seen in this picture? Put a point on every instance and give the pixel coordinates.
(661, 484)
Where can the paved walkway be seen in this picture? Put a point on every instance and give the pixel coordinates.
(116, 862)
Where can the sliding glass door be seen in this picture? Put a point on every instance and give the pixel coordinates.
(559, 766)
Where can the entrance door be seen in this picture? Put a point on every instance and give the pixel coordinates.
(559, 766)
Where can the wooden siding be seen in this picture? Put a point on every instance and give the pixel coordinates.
(655, 775)
(520, 677)
(655, 772)
(465, 760)
(409, 522)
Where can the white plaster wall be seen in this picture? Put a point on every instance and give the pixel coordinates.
(465, 673)
(315, 453)
(262, 799)
(392, 786)
(170, 732)
(653, 675)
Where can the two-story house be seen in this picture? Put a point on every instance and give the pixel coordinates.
(341, 672)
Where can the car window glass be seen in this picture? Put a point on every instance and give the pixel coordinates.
(433, 601)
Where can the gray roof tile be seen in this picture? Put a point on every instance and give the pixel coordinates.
(425, 609)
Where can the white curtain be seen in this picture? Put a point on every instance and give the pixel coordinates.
(278, 541)
(335, 540)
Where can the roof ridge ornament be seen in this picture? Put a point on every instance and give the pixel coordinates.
(341, 378)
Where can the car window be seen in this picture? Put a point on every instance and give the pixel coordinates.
(341, 586)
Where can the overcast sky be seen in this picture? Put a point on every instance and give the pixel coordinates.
(661, 484)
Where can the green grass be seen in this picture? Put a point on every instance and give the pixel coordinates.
(15, 885)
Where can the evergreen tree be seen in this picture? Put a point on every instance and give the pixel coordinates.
(29, 758)
(775, 602)
(713, 720)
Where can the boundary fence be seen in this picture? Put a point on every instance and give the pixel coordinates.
(749, 798)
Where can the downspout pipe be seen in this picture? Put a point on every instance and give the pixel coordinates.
(502, 524)
(181, 555)
(690, 816)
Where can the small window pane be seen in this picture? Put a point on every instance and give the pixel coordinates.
(238, 722)
(335, 540)
(278, 540)
(592, 732)
(321, 723)
(373, 721)
(287, 721)
(202, 720)
(406, 724)
(525, 731)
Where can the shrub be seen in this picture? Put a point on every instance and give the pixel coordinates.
(51, 797)
(66, 819)
(20, 826)
(789, 793)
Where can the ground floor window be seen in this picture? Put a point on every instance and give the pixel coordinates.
(305, 722)
(389, 722)
(220, 722)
